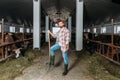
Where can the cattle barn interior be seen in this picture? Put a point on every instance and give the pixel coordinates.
(94, 27)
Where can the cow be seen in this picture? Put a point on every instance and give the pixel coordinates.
(24, 45)
(18, 48)
(13, 47)
(88, 45)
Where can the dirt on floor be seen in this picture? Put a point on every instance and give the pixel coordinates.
(40, 70)
(82, 66)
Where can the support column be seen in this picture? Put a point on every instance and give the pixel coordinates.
(70, 25)
(46, 27)
(36, 24)
(79, 25)
(51, 25)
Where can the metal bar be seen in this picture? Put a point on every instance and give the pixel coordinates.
(100, 48)
(108, 50)
(117, 57)
(112, 37)
(3, 45)
(2, 37)
(110, 59)
(3, 59)
(107, 44)
(6, 44)
(23, 32)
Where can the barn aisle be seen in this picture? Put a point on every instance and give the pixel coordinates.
(39, 71)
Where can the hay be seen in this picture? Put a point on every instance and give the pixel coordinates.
(100, 68)
(14, 67)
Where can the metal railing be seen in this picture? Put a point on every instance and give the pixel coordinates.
(108, 50)
(4, 46)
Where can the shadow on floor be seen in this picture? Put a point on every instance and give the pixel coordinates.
(75, 62)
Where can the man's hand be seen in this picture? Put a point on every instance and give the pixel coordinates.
(64, 48)
(53, 35)
(49, 31)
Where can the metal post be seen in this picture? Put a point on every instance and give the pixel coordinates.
(70, 25)
(2, 37)
(51, 25)
(23, 32)
(112, 40)
(112, 37)
(79, 25)
(46, 27)
(36, 24)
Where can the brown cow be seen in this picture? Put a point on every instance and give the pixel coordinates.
(20, 36)
(13, 47)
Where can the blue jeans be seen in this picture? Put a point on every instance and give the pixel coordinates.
(64, 54)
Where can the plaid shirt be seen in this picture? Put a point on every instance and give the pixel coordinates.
(63, 37)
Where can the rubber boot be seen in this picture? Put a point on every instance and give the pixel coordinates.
(52, 59)
(65, 69)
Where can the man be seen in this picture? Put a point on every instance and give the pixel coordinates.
(62, 43)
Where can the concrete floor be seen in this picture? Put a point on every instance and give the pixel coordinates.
(39, 71)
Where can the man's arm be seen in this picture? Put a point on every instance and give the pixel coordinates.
(52, 34)
(67, 38)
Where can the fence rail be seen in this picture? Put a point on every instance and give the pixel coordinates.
(4, 46)
(108, 50)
